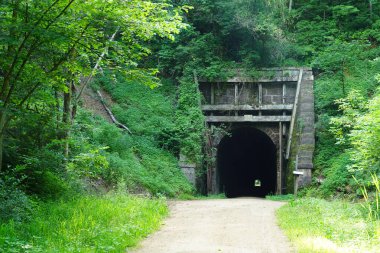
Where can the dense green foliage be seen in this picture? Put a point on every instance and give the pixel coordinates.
(147, 157)
(54, 155)
(189, 120)
(346, 57)
(224, 35)
(49, 52)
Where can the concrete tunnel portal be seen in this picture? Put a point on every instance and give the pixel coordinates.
(246, 163)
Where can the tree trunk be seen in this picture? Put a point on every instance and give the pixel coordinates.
(290, 5)
(1, 152)
(75, 104)
(66, 117)
(3, 126)
(97, 65)
(343, 78)
(370, 9)
(57, 109)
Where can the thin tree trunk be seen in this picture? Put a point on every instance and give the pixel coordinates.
(75, 105)
(1, 151)
(290, 5)
(2, 133)
(343, 78)
(370, 8)
(57, 108)
(66, 117)
(4, 121)
(88, 80)
(109, 112)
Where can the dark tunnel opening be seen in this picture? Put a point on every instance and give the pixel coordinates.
(246, 163)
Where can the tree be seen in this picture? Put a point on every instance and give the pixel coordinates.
(47, 46)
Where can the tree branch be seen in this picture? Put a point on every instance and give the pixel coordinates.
(109, 112)
(21, 47)
(70, 51)
(7, 78)
(29, 94)
(96, 65)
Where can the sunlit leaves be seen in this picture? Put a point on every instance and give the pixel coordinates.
(365, 139)
(44, 44)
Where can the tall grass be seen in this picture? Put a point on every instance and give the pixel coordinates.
(371, 203)
(88, 224)
(316, 225)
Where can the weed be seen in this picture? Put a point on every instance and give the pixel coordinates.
(371, 205)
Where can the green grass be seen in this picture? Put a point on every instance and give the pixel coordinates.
(316, 225)
(88, 224)
(287, 197)
(186, 196)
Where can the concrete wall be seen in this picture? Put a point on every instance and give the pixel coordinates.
(306, 128)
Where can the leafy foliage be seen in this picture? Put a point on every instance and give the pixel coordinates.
(47, 50)
(190, 119)
(15, 204)
(339, 39)
(146, 159)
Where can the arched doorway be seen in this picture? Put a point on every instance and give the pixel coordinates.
(246, 162)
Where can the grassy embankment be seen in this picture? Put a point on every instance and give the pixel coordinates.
(89, 224)
(316, 225)
(81, 221)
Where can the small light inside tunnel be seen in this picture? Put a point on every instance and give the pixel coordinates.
(257, 183)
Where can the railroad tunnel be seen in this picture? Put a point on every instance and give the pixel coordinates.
(246, 163)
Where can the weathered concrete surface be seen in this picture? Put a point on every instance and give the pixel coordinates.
(229, 225)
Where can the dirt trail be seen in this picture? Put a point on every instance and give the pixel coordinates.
(229, 225)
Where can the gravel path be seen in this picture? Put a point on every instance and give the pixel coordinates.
(229, 225)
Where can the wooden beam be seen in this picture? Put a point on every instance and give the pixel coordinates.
(266, 75)
(294, 114)
(236, 100)
(280, 157)
(285, 107)
(212, 94)
(247, 118)
(260, 96)
(250, 80)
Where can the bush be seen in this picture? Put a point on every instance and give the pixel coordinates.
(337, 176)
(15, 204)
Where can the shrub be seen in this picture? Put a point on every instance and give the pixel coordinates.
(337, 176)
(15, 204)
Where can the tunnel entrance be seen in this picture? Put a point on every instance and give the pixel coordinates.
(246, 162)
